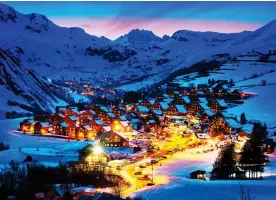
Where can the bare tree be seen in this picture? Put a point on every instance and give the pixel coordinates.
(245, 194)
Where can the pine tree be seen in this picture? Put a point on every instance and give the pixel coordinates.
(224, 165)
(243, 119)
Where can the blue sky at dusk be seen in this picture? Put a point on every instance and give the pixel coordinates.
(112, 19)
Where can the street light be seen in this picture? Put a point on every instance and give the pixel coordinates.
(97, 150)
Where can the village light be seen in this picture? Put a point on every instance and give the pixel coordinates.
(97, 150)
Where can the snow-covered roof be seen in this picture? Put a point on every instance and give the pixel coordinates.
(45, 124)
(123, 118)
(204, 106)
(105, 109)
(186, 99)
(63, 124)
(232, 123)
(107, 128)
(168, 100)
(181, 108)
(151, 121)
(202, 135)
(222, 103)
(73, 117)
(87, 127)
(89, 118)
(157, 112)
(61, 115)
(164, 105)
(111, 115)
(74, 109)
(203, 100)
(209, 112)
(248, 128)
(151, 101)
(124, 123)
(93, 112)
(98, 121)
(143, 109)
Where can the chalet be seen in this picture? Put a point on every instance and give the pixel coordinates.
(116, 110)
(90, 113)
(114, 139)
(225, 126)
(245, 132)
(198, 174)
(121, 126)
(104, 109)
(217, 105)
(60, 109)
(107, 118)
(36, 128)
(56, 118)
(142, 111)
(44, 127)
(206, 114)
(96, 126)
(178, 110)
(87, 155)
(59, 128)
(95, 108)
(71, 111)
(158, 113)
(149, 103)
(85, 132)
(71, 130)
(70, 119)
(238, 93)
(163, 106)
(85, 120)
(25, 125)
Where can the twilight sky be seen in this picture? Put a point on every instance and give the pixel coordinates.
(112, 19)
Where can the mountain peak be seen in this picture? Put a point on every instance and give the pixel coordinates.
(7, 13)
(138, 35)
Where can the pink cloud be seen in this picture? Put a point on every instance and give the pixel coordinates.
(113, 28)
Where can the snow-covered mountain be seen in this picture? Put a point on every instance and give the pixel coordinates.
(133, 61)
(139, 36)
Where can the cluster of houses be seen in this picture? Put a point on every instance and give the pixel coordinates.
(110, 123)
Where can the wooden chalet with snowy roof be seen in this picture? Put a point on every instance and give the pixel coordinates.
(118, 110)
(85, 120)
(85, 132)
(163, 106)
(246, 131)
(25, 125)
(177, 110)
(59, 128)
(70, 119)
(71, 111)
(39, 127)
(107, 118)
(95, 108)
(89, 113)
(238, 93)
(142, 111)
(149, 103)
(71, 130)
(225, 126)
(114, 139)
(96, 126)
(121, 126)
(217, 105)
(56, 118)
